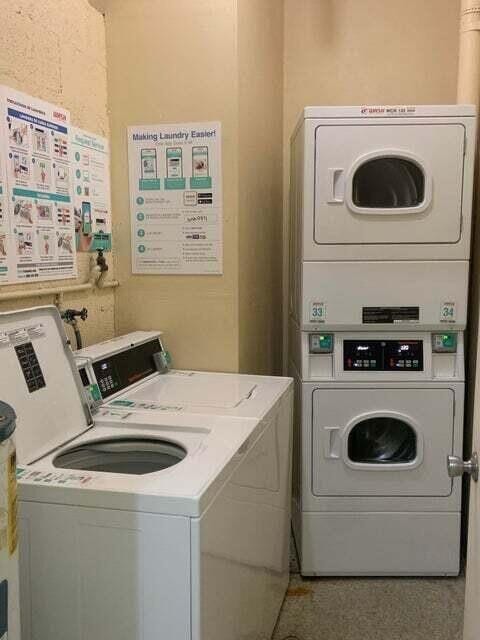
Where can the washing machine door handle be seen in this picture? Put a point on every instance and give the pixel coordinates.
(332, 446)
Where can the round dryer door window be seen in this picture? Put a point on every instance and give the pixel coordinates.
(388, 183)
(134, 456)
(382, 440)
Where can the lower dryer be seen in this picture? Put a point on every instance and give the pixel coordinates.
(377, 415)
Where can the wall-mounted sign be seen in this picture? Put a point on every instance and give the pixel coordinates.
(37, 240)
(91, 191)
(175, 173)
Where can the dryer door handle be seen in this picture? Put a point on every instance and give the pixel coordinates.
(332, 443)
(336, 185)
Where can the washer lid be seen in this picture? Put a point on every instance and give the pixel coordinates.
(198, 389)
(39, 379)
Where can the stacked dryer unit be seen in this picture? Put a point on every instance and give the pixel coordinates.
(379, 244)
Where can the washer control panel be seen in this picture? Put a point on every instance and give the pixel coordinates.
(383, 355)
(116, 372)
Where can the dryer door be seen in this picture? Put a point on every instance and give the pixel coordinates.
(388, 183)
(382, 442)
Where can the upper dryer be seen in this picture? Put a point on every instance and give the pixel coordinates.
(383, 183)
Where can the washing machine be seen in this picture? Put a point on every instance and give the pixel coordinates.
(126, 375)
(131, 527)
(376, 416)
(384, 182)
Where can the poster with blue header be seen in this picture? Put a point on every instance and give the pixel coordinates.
(176, 209)
(37, 236)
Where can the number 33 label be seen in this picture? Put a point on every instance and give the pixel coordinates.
(318, 311)
(448, 312)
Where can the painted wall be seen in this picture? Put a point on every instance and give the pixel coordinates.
(189, 60)
(260, 53)
(347, 52)
(55, 50)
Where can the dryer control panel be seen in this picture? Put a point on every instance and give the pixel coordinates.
(382, 355)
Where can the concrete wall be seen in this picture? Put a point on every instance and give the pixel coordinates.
(346, 52)
(260, 54)
(55, 50)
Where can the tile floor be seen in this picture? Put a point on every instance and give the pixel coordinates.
(371, 609)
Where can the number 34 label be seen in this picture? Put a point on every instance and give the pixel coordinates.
(448, 312)
(318, 311)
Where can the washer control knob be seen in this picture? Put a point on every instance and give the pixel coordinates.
(457, 467)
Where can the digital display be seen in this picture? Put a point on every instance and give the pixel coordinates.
(383, 355)
(119, 371)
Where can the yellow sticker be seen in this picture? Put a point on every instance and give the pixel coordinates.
(12, 503)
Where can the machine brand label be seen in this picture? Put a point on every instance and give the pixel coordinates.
(399, 110)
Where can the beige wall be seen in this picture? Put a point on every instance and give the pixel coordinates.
(189, 60)
(55, 50)
(348, 52)
(260, 53)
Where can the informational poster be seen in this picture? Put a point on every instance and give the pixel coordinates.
(175, 173)
(91, 191)
(5, 258)
(36, 226)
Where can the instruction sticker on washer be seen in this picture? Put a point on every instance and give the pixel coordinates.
(175, 173)
(66, 479)
(448, 312)
(144, 406)
(36, 219)
(318, 312)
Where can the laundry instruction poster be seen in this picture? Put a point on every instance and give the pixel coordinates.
(37, 240)
(91, 191)
(175, 173)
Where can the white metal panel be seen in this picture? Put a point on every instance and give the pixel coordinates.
(99, 573)
(335, 412)
(241, 544)
(380, 544)
(188, 388)
(345, 288)
(56, 412)
(436, 148)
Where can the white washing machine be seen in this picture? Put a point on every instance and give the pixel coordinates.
(131, 527)
(376, 416)
(126, 376)
(384, 183)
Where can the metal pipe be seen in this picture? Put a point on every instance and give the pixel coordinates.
(55, 291)
(468, 81)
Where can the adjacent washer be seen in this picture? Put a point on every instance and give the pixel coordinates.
(122, 377)
(131, 526)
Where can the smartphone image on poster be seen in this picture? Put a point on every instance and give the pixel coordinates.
(200, 162)
(86, 218)
(174, 162)
(148, 159)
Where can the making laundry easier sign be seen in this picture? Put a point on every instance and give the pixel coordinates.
(176, 198)
(36, 210)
